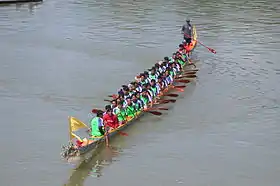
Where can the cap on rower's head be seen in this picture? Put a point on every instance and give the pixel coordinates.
(146, 73)
(188, 20)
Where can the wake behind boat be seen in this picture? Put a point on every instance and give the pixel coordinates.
(144, 95)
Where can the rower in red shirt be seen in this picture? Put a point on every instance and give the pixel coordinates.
(110, 119)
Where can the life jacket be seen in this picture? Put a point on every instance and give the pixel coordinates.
(153, 77)
(120, 113)
(136, 105)
(130, 110)
(145, 100)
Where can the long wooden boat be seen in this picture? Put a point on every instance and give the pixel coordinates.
(90, 145)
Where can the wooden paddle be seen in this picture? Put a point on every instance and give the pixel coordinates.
(179, 89)
(113, 96)
(172, 100)
(167, 101)
(153, 112)
(106, 135)
(182, 80)
(122, 133)
(210, 49)
(171, 95)
(187, 76)
(180, 86)
(107, 100)
(158, 108)
(94, 111)
(192, 72)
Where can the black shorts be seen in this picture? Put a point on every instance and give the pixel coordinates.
(188, 39)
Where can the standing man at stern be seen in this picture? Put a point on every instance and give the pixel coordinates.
(187, 31)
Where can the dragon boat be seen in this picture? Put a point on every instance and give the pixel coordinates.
(90, 143)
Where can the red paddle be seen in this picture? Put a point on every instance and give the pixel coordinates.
(180, 86)
(210, 49)
(171, 95)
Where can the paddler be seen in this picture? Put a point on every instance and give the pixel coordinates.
(138, 87)
(120, 113)
(155, 89)
(139, 100)
(97, 127)
(152, 75)
(137, 104)
(156, 67)
(168, 78)
(130, 110)
(187, 31)
(113, 104)
(126, 92)
(143, 79)
(110, 119)
(145, 98)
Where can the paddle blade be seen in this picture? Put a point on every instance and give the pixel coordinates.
(172, 95)
(172, 100)
(154, 112)
(163, 101)
(212, 50)
(188, 76)
(107, 100)
(182, 81)
(95, 111)
(180, 86)
(179, 89)
(193, 72)
(113, 96)
(161, 108)
(122, 133)
(158, 108)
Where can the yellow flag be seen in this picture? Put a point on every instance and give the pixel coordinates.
(76, 124)
(194, 32)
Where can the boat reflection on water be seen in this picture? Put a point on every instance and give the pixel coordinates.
(91, 166)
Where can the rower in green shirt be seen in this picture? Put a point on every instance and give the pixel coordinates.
(97, 127)
(130, 110)
(120, 112)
